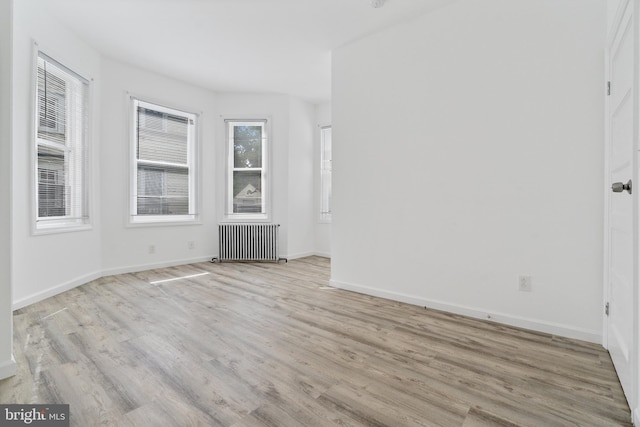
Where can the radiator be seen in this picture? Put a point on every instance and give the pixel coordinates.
(248, 242)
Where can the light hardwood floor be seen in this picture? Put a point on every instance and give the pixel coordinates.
(271, 344)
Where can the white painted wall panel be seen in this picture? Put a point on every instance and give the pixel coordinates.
(276, 109)
(612, 8)
(7, 364)
(469, 150)
(126, 248)
(45, 264)
(302, 170)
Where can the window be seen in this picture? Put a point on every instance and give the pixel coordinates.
(163, 173)
(325, 173)
(61, 134)
(247, 193)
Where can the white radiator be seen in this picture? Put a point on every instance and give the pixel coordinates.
(248, 242)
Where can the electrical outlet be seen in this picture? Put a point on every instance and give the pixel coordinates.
(525, 283)
(191, 244)
(152, 249)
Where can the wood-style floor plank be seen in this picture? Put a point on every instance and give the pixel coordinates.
(240, 344)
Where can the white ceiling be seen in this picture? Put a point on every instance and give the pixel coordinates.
(275, 46)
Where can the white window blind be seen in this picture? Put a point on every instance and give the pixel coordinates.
(61, 145)
(164, 164)
(247, 169)
(325, 173)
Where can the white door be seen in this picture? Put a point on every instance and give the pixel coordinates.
(620, 330)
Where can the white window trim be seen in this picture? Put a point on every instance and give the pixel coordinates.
(62, 224)
(229, 215)
(193, 164)
(323, 217)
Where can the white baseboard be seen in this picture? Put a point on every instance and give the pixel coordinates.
(47, 293)
(322, 254)
(635, 417)
(521, 322)
(151, 266)
(8, 368)
(478, 313)
(299, 255)
(31, 299)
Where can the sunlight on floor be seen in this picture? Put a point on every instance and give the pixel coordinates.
(178, 278)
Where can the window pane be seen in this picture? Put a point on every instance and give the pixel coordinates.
(325, 207)
(247, 192)
(247, 146)
(163, 191)
(163, 164)
(52, 92)
(162, 137)
(325, 174)
(151, 181)
(61, 117)
(163, 205)
(51, 183)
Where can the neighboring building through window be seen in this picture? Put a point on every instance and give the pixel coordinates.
(163, 175)
(61, 135)
(325, 173)
(247, 169)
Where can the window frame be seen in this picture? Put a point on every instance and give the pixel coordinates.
(325, 216)
(192, 166)
(76, 152)
(265, 214)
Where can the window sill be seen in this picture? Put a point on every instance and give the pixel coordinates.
(245, 218)
(163, 221)
(60, 228)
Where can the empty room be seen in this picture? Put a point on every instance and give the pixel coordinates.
(178, 246)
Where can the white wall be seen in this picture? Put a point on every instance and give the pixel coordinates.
(291, 123)
(119, 247)
(47, 264)
(275, 108)
(323, 228)
(7, 364)
(44, 265)
(124, 247)
(302, 171)
(469, 151)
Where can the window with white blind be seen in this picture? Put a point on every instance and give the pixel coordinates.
(247, 190)
(61, 145)
(325, 173)
(163, 178)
